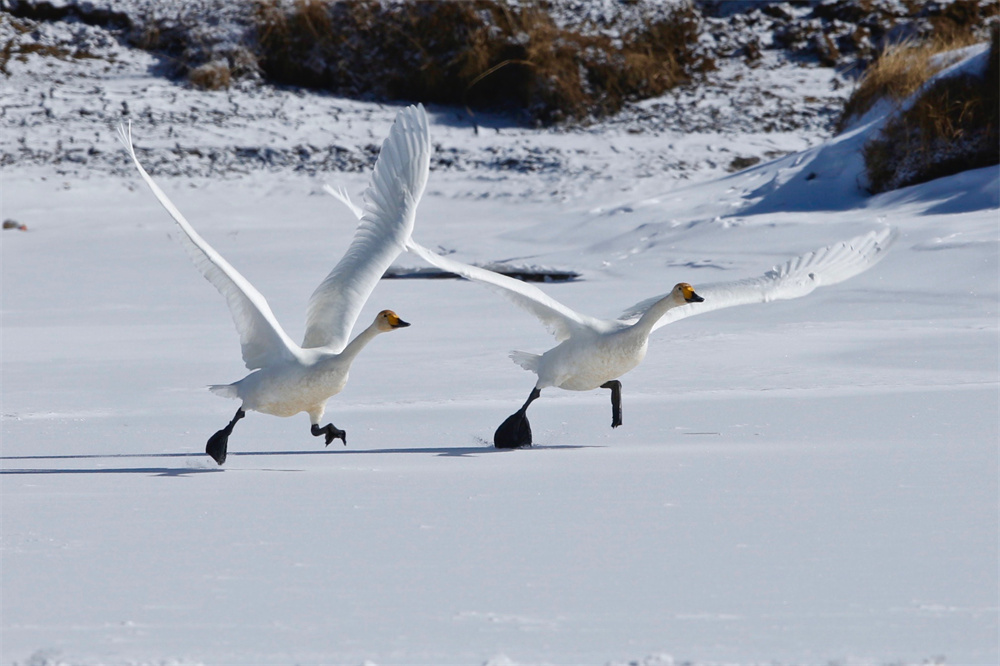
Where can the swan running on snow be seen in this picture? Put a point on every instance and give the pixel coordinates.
(593, 353)
(288, 378)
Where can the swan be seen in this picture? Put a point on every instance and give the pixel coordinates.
(287, 378)
(593, 353)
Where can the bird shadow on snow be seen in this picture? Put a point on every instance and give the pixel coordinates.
(443, 451)
(155, 471)
(152, 471)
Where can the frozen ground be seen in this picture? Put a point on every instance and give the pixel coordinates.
(804, 482)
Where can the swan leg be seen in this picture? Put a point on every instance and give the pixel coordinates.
(218, 444)
(515, 431)
(330, 431)
(616, 401)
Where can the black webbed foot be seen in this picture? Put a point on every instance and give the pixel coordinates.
(331, 432)
(515, 431)
(616, 401)
(218, 444)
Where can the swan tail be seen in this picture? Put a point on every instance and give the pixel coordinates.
(526, 360)
(225, 390)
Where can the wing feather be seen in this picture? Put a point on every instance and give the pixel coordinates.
(793, 279)
(389, 210)
(559, 319)
(341, 194)
(261, 336)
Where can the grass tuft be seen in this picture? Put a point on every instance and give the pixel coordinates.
(215, 75)
(485, 54)
(953, 125)
(899, 70)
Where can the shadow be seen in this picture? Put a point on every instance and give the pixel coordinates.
(445, 451)
(153, 471)
(105, 456)
(523, 274)
(442, 451)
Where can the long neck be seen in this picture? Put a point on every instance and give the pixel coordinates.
(357, 344)
(654, 313)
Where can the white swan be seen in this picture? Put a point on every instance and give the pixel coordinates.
(288, 378)
(594, 353)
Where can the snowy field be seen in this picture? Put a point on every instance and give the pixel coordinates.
(803, 482)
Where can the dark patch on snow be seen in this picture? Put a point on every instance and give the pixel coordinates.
(525, 274)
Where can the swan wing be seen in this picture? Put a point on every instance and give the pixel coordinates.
(559, 319)
(261, 336)
(340, 193)
(386, 222)
(796, 277)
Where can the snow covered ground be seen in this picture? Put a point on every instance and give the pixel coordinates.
(804, 482)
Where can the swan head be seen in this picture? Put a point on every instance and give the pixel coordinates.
(684, 293)
(387, 320)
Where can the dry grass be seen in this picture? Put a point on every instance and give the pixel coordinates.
(899, 71)
(954, 125)
(484, 54)
(214, 75)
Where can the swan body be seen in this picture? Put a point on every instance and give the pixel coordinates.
(604, 350)
(285, 388)
(287, 378)
(594, 353)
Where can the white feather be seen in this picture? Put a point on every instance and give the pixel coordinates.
(386, 223)
(261, 336)
(341, 194)
(793, 279)
(557, 318)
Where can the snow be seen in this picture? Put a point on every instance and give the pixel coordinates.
(803, 482)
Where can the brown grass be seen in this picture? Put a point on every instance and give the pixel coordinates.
(484, 54)
(899, 71)
(214, 75)
(954, 125)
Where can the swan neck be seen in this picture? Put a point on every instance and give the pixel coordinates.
(355, 346)
(655, 313)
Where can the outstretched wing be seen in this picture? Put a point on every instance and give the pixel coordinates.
(261, 336)
(557, 318)
(796, 277)
(390, 208)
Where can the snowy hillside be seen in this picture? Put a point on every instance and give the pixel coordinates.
(805, 482)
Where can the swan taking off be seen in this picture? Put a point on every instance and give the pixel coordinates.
(594, 353)
(288, 378)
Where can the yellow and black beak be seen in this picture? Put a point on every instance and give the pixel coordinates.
(688, 292)
(399, 323)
